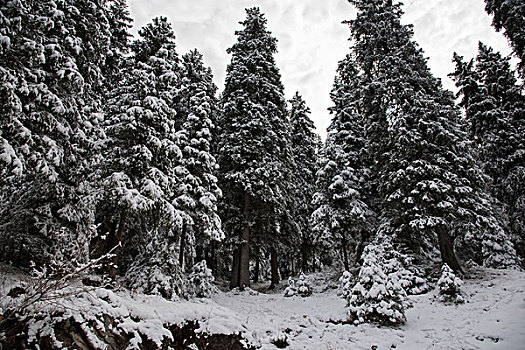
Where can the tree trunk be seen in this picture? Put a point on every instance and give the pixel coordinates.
(257, 265)
(304, 257)
(446, 246)
(359, 252)
(344, 247)
(244, 273)
(314, 266)
(234, 282)
(274, 267)
(182, 247)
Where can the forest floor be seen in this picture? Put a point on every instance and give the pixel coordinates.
(492, 317)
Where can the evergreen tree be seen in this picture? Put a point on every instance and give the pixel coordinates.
(428, 179)
(449, 285)
(509, 15)
(495, 111)
(254, 146)
(50, 83)
(378, 295)
(342, 216)
(198, 95)
(305, 145)
(143, 165)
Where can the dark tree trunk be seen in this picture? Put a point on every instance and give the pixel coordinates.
(210, 256)
(182, 246)
(344, 247)
(304, 257)
(446, 246)
(274, 267)
(244, 273)
(201, 254)
(257, 265)
(234, 282)
(359, 252)
(314, 266)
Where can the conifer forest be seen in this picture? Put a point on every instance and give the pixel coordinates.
(144, 207)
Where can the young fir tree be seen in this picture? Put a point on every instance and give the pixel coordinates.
(431, 188)
(143, 168)
(449, 285)
(305, 145)
(50, 79)
(495, 111)
(378, 296)
(342, 216)
(254, 146)
(196, 137)
(509, 15)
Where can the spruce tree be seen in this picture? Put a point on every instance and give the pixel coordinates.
(342, 216)
(509, 16)
(50, 83)
(305, 146)
(196, 137)
(254, 144)
(143, 170)
(429, 183)
(495, 110)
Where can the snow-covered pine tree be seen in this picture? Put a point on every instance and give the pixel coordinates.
(495, 111)
(378, 295)
(430, 185)
(303, 286)
(449, 285)
(342, 216)
(254, 144)
(305, 146)
(50, 83)
(345, 284)
(143, 165)
(201, 281)
(196, 137)
(509, 15)
(504, 139)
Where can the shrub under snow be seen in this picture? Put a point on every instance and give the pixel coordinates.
(301, 287)
(449, 285)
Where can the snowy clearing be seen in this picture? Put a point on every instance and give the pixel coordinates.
(492, 317)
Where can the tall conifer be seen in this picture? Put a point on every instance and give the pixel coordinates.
(254, 142)
(431, 189)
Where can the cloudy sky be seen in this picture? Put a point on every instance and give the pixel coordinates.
(311, 38)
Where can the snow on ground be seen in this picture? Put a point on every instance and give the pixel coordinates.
(492, 317)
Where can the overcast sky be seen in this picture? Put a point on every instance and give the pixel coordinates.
(311, 38)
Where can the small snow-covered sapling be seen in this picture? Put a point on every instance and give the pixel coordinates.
(449, 285)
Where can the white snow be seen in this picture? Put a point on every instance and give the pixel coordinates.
(492, 317)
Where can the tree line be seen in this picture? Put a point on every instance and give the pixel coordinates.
(112, 142)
